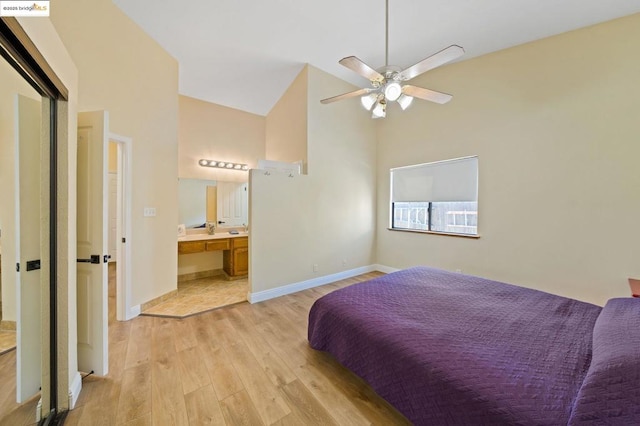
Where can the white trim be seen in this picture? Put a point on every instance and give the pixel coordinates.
(74, 390)
(124, 310)
(315, 282)
(385, 269)
(134, 311)
(39, 410)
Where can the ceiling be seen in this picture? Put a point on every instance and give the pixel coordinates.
(244, 54)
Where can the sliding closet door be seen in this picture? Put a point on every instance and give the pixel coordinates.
(28, 248)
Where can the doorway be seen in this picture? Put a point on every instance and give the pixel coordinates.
(94, 141)
(120, 152)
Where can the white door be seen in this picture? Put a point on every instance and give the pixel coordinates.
(28, 315)
(233, 204)
(113, 216)
(92, 243)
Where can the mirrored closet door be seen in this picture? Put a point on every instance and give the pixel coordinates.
(28, 105)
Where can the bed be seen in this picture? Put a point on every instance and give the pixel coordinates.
(451, 349)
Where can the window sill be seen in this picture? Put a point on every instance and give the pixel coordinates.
(446, 234)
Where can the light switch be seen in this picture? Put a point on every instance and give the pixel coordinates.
(149, 211)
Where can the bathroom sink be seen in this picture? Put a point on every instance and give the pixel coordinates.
(217, 235)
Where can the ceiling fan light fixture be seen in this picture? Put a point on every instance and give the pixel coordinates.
(405, 101)
(380, 110)
(386, 82)
(392, 91)
(368, 100)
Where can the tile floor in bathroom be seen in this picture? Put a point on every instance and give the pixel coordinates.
(201, 295)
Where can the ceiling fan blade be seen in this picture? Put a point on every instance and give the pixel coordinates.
(426, 94)
(361, 68)
(346, 96)
(442, 57)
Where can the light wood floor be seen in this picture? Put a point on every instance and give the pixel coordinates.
(12, 413)
(240, 365)
(7, 341)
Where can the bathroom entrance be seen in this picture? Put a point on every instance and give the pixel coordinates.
(100, 152)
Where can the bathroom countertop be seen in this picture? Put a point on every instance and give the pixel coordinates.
(216, 236)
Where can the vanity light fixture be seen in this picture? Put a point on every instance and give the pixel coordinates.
(223, 165)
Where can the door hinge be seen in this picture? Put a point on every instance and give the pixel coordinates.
(18, 267)
(124, 240)
(106, 258)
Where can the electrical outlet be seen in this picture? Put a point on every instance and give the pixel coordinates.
(459, 271)
(149, 211)
(315, 267)
(344, 262)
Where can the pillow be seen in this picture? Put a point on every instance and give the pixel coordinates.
(610, 392)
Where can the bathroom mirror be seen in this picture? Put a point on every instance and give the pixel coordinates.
(201, 201)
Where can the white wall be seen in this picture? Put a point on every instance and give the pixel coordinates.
(555, 126)
(324, 217)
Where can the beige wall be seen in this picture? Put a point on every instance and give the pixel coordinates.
(216, 132)
(128, 74)
(555, 126)
(286, 129)
(324, 217)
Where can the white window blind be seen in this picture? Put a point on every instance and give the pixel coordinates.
(450, 180)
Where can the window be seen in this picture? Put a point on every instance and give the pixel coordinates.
(436, 197)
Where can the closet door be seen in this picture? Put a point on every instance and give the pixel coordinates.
(28, 248)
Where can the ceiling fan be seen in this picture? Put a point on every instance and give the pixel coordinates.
(387, 81)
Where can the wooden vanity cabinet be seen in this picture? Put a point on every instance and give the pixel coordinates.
(235, 261)
(235, 253)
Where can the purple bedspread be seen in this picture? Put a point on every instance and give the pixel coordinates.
(452, 349)
(610, 393)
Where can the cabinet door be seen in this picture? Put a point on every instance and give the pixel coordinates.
(241, 261)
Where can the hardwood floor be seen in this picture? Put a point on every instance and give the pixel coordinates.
(12, 413)
(7, 341)
(239, 365)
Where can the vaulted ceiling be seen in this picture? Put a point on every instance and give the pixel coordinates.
(244, 54)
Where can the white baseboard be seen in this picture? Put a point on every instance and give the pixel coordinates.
(39, 410)
(261, 296)
(74, 390)
(385, 269)
(134, 311)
